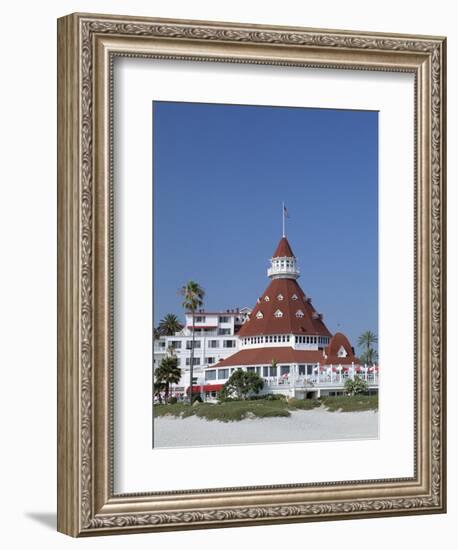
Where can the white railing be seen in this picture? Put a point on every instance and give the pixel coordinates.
(283, 270)
(372, 379)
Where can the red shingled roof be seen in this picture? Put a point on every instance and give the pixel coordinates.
(264, 356)
(289, 323)
(283, 249)
(338, 341)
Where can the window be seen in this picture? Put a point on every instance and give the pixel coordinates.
(200, 319)
(251, 369)
(310, 370)
(213, 344)
(259, 315)
(223, 331)
(210, 375)
(278, 313)
(269, 371)
(284, 369)
(224, 319)
(209, 360)
(196, 361)
(299, 313)
(280, 297)
(229, 344)
(223, 374)
(294, 297)
(196, 344)
(267, 299)
(301, 370)
(175, 344)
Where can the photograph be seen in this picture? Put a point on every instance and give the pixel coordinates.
(265, 279)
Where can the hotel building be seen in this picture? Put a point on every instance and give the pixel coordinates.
(283, 339)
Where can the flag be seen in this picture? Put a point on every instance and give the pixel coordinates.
(285, 212)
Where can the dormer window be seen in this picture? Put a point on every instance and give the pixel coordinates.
(342, 352)
(299, 313)
(280, 297)
(278, 313)
(266, 299)
(259, 315)
(294, 297)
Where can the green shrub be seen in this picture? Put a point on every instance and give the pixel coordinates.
(351, 403)
(241, 384)
(356, 386)
(304, 404)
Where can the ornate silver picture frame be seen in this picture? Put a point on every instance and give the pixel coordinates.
(88, 44)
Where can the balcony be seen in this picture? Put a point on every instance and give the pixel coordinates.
(317, 381)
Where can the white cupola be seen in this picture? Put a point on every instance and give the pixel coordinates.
(283, 264)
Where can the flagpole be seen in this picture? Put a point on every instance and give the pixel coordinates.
(283, 218)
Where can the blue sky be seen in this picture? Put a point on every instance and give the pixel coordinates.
(220, 175)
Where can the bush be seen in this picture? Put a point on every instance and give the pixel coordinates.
(275, 397)
(238, 410)
(172, 400)
(353, 403)
(304, 404)
(356, 386)
(242, 383)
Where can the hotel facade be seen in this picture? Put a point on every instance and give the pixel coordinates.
(282, 338)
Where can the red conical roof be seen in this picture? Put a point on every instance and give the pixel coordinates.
(296, 313)
(337, 342)
(283, 249)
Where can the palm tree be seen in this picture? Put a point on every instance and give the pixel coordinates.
(369, 356)
(169, 325)
(158, 389)
(168, 373)
(365, 341)
(193, 298)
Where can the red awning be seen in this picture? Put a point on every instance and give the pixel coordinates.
(207, 387)
(213, 387)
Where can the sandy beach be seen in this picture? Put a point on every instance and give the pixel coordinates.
(312, 425)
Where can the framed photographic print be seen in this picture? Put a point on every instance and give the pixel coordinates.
(251, 274)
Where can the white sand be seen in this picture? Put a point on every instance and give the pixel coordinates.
(313, 425)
